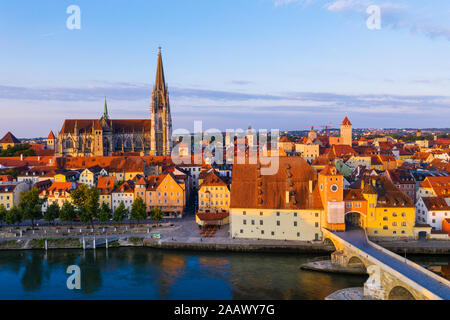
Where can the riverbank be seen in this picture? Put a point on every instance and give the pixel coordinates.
(265, 246)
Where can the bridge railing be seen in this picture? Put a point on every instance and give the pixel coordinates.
(408, 262)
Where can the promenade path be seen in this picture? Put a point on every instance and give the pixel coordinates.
(358, 239)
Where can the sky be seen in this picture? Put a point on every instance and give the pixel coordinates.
(281, 64)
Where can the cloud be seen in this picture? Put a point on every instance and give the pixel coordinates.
(47, 107)
(394, 15)
(286, 2)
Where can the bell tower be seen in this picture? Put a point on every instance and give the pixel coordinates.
(347, 132)
(161, 126)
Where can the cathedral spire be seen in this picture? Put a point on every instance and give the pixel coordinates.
(160, 83)
(105, 111)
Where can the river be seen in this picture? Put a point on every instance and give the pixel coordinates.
(144, 273)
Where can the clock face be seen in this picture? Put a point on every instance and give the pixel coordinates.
(334, 188)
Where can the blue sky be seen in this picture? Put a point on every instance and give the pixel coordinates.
(285, 64)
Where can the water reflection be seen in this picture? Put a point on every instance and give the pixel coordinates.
(141, 273)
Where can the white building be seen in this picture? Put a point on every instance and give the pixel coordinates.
(431, 211)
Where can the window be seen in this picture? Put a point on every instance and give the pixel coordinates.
(244, 213)
(261, 222)
(298, 234)
(317, 224)
(261, 213)
(262, 231)
(253, 222)
(295, 214)
(278, 214)
(278, 223)
(242, 231)
(273, 233)
(245, 221)
(295, 223)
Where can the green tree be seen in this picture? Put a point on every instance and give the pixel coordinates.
(157, 214)
(67, 212)
(120, 213)
(3, 213)
(105, 213)
(138, 210)
(30, 205)
(52, 212)
(13, 216)
(86, 199)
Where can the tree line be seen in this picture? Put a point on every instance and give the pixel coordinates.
(85, 206)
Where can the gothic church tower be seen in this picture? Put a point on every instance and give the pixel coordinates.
(161, 126)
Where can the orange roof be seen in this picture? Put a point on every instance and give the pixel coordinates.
(440, 185)
(346, 122)
(154, 181)
(251, 189)
(51, 136)
(126, 187)
(105, 184)
(6, 178)
(436, 203)
(212, 179)
(330, 170)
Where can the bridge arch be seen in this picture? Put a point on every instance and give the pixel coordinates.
(400, 293)
(353, 220)
(329, 242)
(356, 262)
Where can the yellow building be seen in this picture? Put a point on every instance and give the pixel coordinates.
(214, 201)
(105, 186)
(390, 212)
(9, 140)
(58, 192)
(214, 194)
(66, 176)
(10, 193)
(163, 191)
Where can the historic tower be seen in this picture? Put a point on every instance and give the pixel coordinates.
(161, 126)
(347, 132)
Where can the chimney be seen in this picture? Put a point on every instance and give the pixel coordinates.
(39, 158)
(362, 184)
(287, 196)
(21, 157)
(310, 186)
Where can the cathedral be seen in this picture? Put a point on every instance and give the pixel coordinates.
(107, 137)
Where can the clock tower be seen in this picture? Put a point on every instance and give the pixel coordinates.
(331, 188)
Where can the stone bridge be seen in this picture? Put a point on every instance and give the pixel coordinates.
(391, 276)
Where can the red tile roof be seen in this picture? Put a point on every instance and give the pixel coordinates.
(346, 122)
(9, 138)
(250, 189)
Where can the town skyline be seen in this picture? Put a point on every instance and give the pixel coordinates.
(306, 63)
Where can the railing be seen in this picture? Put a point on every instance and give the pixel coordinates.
(392, 271)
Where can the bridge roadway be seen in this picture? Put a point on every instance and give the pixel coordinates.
(357, 238)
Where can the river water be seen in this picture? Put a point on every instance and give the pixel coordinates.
(144, 273)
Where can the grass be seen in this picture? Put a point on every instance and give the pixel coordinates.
(136, 240)
(11, 244)
(55, 243)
